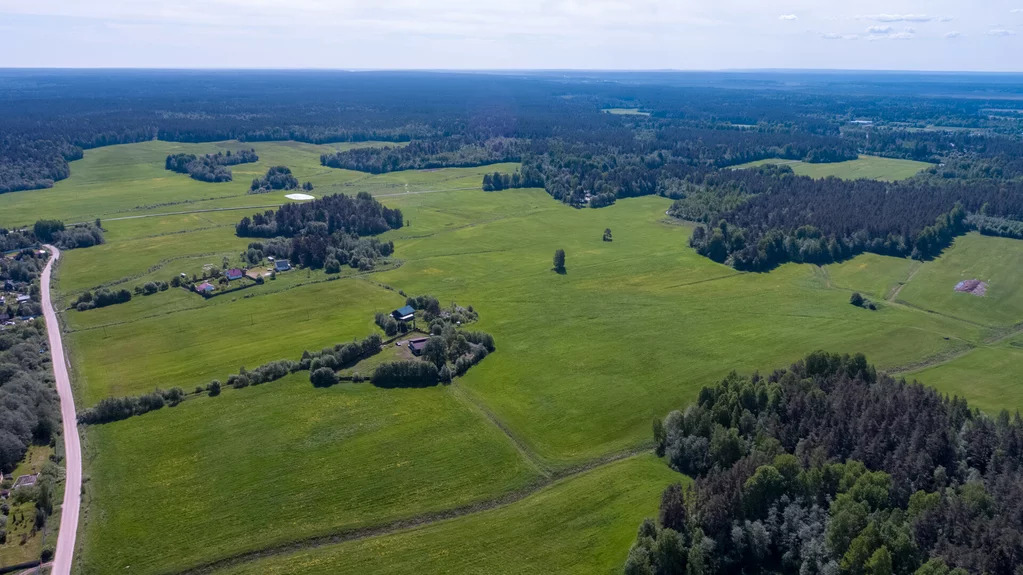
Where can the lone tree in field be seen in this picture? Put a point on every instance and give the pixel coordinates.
(607, 235)
(856, 299)
(559, 261)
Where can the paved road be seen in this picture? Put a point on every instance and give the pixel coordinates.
(72, 446)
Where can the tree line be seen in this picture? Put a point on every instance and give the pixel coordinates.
(779, 217)
(452, 152)
(48, 120)
(77, 236)
(209, 167)
(29, 407)
(831, 467)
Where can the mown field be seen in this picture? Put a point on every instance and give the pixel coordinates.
(866, 167)
(996, 261)
(585, 360)
(582, 525)
(269, 464)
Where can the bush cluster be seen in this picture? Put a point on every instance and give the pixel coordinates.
(118, 408)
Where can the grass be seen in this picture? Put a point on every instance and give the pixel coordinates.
(584, 360)
(20, 521)
(24, 543)
(997, 261)
(988, 377)
(582, 525)
(192, 346)
(278, 462)
(121, 180)
(874, 276)
(866, 167)
(636, 326)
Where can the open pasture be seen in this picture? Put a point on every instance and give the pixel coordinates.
(996, 261)
(193, 346)
(265, 465)
(988, 376)
(866, 167)
(583, 525)
(584, 360)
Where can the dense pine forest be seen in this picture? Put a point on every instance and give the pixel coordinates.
(831, 467)
(693, 129)
(323, 233)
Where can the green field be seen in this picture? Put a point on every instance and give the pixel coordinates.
(625, 112)
(582, 525)
(282, 461)
(584, 360)
(192, 346)
(866, 167)
(996, 261)
(988, 376)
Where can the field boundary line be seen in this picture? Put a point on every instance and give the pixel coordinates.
(941, 359)
(202, 211)
(410, 523)
(894, 293)
(481, 409)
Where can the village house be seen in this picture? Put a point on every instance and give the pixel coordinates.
(205, 288)
(407, 313)
(234, 274)
(416, 345)
(24, 298)
(282, 265)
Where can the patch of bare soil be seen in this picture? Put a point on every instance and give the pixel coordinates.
(973, 287)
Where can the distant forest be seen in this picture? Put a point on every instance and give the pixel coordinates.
(699, 127)
(831, 467)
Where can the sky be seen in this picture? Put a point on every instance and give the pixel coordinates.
(967, 35)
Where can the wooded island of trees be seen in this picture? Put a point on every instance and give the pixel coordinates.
(831, 467)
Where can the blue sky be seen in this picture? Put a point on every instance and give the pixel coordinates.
(983, 35)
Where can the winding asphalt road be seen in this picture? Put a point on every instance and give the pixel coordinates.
(72, 446)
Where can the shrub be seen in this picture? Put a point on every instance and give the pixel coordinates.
(323, 377)
(856, 299)
(405, 374)
(214, 388)
(118, 408)
(47, 555)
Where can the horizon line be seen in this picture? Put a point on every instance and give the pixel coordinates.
(515, 70)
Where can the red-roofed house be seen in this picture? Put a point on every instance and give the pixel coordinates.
(234, 274)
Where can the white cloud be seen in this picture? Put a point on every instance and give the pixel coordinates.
(1016, 11)
(1001, 32)
(680, 34)
(900, 18)
(889, 33)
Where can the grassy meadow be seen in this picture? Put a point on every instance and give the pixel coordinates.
(584, 361)
(996, 261)
(584, 524)
(273, 463)
(866, 167)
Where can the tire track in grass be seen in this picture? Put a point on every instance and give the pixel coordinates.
(410, 523)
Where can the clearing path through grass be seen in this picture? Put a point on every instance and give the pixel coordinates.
(583, 524)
